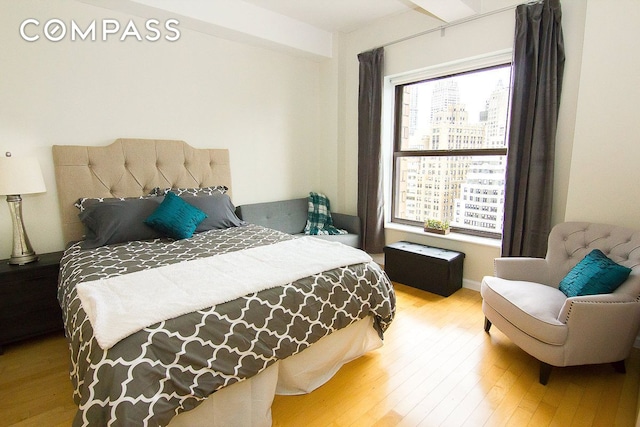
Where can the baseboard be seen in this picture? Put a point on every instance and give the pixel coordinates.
(471, 284)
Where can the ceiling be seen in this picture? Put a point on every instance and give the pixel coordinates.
(336, 15)
(302, 26)
(349, 15)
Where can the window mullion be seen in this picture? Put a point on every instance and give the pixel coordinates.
(451, 153)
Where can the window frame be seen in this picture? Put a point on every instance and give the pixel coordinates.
(393, 115)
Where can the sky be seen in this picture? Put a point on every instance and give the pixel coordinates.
(475, 89)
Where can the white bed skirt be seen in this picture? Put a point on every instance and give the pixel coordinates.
(249, 402)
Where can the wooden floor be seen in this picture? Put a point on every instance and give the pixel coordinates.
(437, 368)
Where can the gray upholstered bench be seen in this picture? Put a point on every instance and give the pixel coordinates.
(290, 216)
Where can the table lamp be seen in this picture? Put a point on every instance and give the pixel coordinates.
(20, 175)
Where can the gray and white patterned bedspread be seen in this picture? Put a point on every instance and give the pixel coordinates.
(170, 367)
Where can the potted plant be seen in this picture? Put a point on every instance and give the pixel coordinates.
(436, 226)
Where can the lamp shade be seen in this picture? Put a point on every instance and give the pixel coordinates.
(20, 175)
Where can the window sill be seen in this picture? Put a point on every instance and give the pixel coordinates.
(458, 237)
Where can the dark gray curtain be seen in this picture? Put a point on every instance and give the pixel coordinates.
(370, 189)
(537, 83)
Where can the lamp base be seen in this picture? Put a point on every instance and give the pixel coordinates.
(23, 259)
(22, 252)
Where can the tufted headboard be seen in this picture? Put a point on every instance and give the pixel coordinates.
(131, 168)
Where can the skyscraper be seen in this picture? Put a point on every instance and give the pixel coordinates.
(480, 205)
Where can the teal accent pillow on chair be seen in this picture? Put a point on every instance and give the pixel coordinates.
(175, 217)
(594, 274)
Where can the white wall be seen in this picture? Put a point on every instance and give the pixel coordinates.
(478, 37)
(605, 176)
(263, 105)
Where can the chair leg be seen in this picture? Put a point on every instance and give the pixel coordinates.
(619, 367)
(545, 371)
(487, 325)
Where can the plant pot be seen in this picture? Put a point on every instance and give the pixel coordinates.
(436, 230)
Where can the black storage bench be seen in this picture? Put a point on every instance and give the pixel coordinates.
(424, 267)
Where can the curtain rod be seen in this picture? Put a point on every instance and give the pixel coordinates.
(441, 28)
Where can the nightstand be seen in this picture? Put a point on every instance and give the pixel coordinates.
(28, 298)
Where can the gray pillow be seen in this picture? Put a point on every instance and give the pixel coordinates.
(118, 221)
(219, 209)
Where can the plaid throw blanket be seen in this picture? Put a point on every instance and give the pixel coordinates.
(319, 217)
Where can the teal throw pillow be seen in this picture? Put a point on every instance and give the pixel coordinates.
(175, 217)
(594, 274)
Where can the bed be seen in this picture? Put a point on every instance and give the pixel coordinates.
(210, 364)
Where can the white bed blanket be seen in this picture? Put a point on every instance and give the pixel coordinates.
(120, 306)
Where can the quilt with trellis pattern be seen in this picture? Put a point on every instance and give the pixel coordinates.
(172, 366)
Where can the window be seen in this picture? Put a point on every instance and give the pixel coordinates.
(450, 146)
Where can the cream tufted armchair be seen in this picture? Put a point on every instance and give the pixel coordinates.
(524, 302)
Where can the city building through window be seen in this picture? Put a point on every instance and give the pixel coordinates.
(450, 150)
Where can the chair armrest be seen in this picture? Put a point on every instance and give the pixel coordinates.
(602, 328)
(351, 223)
(615, 302)
(522, 268)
